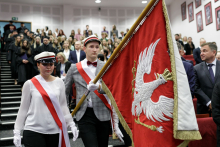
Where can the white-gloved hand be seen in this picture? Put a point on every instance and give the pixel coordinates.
(116, 122)
(74, 131)
(17, 138)
(118, 133)
(92, 87)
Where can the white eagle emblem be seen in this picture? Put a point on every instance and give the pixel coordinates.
(143, 91)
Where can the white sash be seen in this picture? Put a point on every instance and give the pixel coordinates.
(57, 107)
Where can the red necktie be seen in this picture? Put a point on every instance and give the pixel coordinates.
(93, 63)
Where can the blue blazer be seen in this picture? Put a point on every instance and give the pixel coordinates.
(73, 56)
(196, 55)
(190, 75)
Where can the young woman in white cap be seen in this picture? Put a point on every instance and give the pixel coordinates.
(43, 113)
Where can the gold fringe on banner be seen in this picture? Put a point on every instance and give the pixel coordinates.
(182, 135)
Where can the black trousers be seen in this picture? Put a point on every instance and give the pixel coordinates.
(94, 133)
(34, 139)
(126, 138)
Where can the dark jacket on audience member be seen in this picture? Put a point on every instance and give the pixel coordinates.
(196, 55)
(67, 66)
(12, 57)
(43, 48)
(190, 75)
(188, 49)
(204, 86)
(73, 56)
(25, 71)
(189, 61)
(216, 109)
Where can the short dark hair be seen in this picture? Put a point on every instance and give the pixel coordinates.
(105, 52)
(211, 45)
(177, 35)
(101, 57)
(87, 25)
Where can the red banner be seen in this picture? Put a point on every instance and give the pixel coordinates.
(153, 95)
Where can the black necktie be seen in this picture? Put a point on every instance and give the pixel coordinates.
(211, 73)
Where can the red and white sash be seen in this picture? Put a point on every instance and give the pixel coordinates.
(53, 105)
(87, 76)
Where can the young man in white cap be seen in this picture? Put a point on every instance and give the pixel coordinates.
(95, 113)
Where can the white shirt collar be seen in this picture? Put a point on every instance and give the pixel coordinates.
(214, 62)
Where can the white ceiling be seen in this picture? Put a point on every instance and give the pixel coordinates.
(87, 3)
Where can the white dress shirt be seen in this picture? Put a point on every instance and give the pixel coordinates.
(66, 53)
(78, 55)
(62, 71)
(93, 70)
(213, 68)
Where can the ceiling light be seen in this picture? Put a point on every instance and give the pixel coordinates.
(144, 2)
(98, 1)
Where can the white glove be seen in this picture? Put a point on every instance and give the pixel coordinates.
(92, 87)
(74, 131)
(116, 128)
(17, 138)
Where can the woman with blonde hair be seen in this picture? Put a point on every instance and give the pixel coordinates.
(184, 40)
(63, 38)
(37, 43)
(66, 49)
(62, 66)
(56, 45)
(51, 40)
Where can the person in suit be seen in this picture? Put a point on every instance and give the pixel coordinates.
(216, 109)
(196, 52)
(93, 116)
(62, 66)
(189, 70)
(207, 75)
(77, 55)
